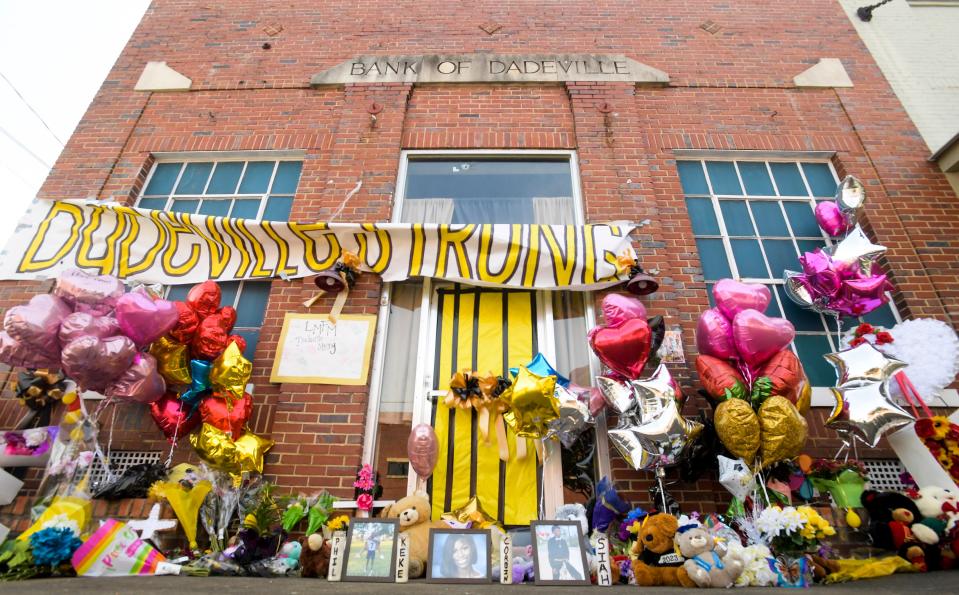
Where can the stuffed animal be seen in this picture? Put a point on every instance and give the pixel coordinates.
(708, 564)
(655, 562)
(315, 556)
(940, 512)
(609, 505)
(523, 567)
(413, 513)
(893, 525)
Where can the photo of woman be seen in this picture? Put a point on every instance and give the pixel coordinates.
(459, 556)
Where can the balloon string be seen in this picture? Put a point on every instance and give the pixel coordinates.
(762, 482)
(838, 332)
(660, 474)
(176, 432)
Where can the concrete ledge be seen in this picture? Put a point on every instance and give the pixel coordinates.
(159, 77)
(829, 72)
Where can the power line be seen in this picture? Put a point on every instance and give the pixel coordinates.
(30, 107)
(24, 147)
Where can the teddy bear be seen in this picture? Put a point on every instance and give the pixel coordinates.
(708, 563)
(315, 556)
(894, 525)
(655, 563)
(413, 513)
(940, 511)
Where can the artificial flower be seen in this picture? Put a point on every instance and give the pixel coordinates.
(883, 338)
(53, 545)
(364, 502)
(864, 329)
(339, 523)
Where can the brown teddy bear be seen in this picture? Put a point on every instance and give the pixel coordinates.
(655, 563)
(315, 556)
(413, 513)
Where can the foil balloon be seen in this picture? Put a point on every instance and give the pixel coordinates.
(173, 417)
(735, 476)
(850, 195)
(199, 382)
(541, 367)
(93, 363)
(714, 335)
(831, 219)
(733, 297)
(423, 450)
(532, 404)
(239, 341)
(204, 298)
(618, 308)
(667, 435)
(227, 417)
(574, 417)
(144, 319)
(597, 402)
(187, 323)
(141, 382)
(250, 450)
(856, 249)
(210, 340)
(864, 408)
(15, 354)
(618, 395)
(653, 394)
(227, 316)
(720, 379)
(79, 324)
(624, 349)
(786, 373)
(738, 428)
(36, 324)
(97, 294)
(216, 448)
(173, 360)
(783, 430)
(231, 371)
(758, 337)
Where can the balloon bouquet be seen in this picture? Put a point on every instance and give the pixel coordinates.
(755, 381)
(651, 433)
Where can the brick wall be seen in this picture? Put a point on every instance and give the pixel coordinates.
(730, 89)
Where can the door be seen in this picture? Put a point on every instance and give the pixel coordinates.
(487, 330)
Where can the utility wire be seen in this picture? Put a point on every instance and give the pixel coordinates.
(24, 147)
(30, 107)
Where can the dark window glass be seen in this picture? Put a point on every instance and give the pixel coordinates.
(702, 216)
(164, 176)
(184, 206)
(225, 177)
(713, 256)
(692, 177)
(287, 177)
(152, 203)
(749, 260)
(217, 208)
(257, 177)
(788, 179)
(802, 219)
(811, 349)
(736, 218)
(722, 175)
(756, 178)
(278, 208)
(820, 179)
(193, 180)
(245, 208)
(769, 218)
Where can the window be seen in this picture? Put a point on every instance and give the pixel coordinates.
(260, 190)
(751, 220)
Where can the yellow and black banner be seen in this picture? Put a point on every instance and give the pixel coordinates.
(179, 248)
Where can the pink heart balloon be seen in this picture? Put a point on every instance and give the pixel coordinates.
(758, 337)
(36, 324)
(625, 348)
(714, 335)
(618, 308)
(14, 354)
(79, 324)
(89, 293)
(141, 382)
(831, 219)
(144, 319)
(94, 362)
(732, 297)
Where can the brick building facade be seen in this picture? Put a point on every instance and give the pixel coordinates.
(731, 95)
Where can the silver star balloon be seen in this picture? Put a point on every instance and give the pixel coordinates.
(618, 395)
(856, 248)
(864, 408)
(653, 394)
(574, 417)
(668, 434)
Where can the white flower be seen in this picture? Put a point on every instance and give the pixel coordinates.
(61, 520)
(35, 436)
(84, 459)
(792, 521)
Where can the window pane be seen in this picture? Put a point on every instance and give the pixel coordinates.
(749, 260)
(820, 179)
(177, 293)
(788, 179)
(702, 216)
(781, 255)
(164, 176)
(709, 293)
(802, 219)
(257, 177)
(736, 218)
(881, 316)
(756, 178)
(185, 206)
(245, 209)
(811, 349)
(773, 308)
(287, 177)
(252, 338)
(722, 175)
(217, 208)
(692, 177)
(252, 303)
(713, 256)
(156, 204)
(769, 218)
(802, 319)
(194, 178)
(808, 246)
(278, 208)
(225, 177)
(228, 291)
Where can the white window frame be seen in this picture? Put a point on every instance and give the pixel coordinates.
(552, 471)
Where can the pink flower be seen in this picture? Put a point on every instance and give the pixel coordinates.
(365, 502)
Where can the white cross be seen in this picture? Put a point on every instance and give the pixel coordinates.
(152, 524)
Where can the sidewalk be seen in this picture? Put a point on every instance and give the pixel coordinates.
(934, 582)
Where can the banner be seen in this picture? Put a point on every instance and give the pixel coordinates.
(178, 248)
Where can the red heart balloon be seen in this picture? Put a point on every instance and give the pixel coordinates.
(625, 348)
(173, 417)
(214, 411)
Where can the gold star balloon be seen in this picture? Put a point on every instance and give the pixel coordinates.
(864, 409)
(471, 512)
(532, 404)
(250, 450)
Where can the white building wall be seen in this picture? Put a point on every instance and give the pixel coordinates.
(916, 45)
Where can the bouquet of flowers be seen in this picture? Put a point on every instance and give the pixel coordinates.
(792, 530)
(941, 437)
(844, 480)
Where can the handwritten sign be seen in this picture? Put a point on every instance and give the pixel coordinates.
(403, 558)
(506, 560)
(337, 545)
(604, 573)
(313, 350)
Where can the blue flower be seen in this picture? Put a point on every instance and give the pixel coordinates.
(53, 545)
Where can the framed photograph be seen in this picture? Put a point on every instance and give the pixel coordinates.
(371, 550)
(558, 553)
(459, 556)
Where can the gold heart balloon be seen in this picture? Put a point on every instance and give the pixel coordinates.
(783, 430)
(738, 428)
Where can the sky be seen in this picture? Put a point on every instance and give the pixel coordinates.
(56, 53)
